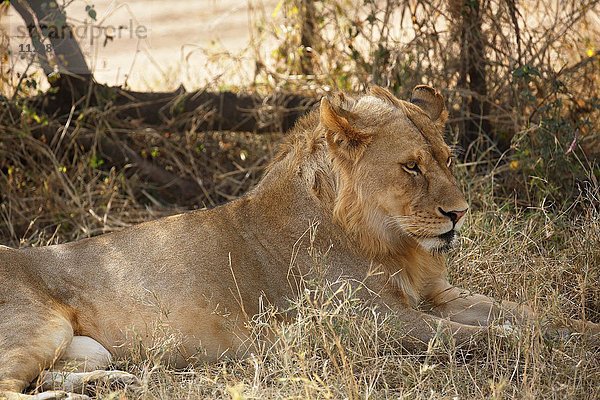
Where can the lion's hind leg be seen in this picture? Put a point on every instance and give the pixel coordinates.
(32, 337)
(81, 370)
(83, 354)
(89, 382)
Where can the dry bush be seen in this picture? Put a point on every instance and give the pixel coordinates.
(57, 185)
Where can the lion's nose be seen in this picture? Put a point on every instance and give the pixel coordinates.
(454, 216)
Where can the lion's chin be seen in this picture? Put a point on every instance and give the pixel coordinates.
(439, 244)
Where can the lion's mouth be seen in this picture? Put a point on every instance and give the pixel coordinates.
(448, 237)
(439, 244)
(448, 240)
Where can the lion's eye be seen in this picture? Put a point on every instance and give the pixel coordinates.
(411, 168)
(449, 162)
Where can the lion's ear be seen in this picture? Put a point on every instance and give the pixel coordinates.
(430, 101)
(343, 139)
(384, 95)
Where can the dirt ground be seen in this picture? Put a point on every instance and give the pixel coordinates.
(160, 44)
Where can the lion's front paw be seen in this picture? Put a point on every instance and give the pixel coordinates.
(586, 327)
(574, 329)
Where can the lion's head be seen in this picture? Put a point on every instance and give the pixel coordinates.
(394, 169)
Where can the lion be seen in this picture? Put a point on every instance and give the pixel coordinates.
(374, 174)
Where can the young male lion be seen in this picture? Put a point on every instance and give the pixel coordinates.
(373, 173)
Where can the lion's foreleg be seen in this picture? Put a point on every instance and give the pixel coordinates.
(421, 328)
(461, 306)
